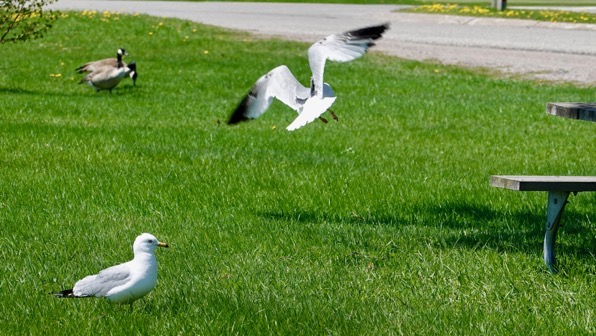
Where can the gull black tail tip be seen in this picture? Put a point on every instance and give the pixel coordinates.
(67, 293)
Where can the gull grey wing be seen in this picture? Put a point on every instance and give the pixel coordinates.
(342, 47)
(100, 284)
(278, 83)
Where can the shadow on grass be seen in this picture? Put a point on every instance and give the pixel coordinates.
(14, 90)
(473, 226)
(126, 89)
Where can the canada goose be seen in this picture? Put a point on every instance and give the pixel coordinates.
(107, 77)
(132, 71)
(113, 62)
(311, 102)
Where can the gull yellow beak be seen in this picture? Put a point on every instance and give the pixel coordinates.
(163, 245)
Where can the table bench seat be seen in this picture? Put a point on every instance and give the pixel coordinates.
(580, 111)
(545, 183)
(558, 188)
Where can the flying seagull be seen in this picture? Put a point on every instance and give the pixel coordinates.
(122, 283)
(112, 62)
(309, 102)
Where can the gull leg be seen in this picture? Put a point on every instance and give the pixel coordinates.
(333, 115)
(323, 120)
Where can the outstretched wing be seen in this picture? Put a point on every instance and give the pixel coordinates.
(342, 47)
(278, 83)
(100, 284)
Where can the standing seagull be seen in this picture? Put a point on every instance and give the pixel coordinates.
(311, 102)
(122, 283)
(107, 76)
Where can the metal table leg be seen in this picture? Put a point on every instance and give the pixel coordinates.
(556, 205)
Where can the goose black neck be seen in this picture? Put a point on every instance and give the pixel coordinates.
(119, 57)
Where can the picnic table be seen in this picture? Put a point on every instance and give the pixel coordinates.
(581, 111)
(558, 187)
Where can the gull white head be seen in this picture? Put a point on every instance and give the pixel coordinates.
(146, 243)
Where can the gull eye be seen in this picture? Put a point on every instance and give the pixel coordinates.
(150, 241)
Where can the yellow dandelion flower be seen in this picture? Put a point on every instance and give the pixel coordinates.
(150, 33)
(206, 52)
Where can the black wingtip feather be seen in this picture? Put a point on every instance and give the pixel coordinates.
(374, 32)
(239, 114)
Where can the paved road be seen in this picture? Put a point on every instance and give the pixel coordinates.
(554, 51)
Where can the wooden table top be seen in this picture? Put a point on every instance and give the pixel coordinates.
(580, 111)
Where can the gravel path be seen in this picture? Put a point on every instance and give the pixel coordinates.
(552, 51)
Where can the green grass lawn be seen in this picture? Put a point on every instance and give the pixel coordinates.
(552, 15)
(424, 2)
(382, 223)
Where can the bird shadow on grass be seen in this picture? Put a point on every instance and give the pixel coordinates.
(16, 90)
(40, 93)
(127, 89)
(474, 226)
